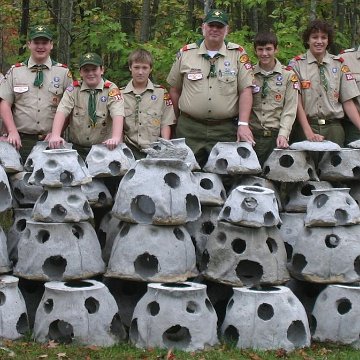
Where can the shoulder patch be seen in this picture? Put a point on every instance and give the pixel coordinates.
(61, 65)
(115, 93)
(347, 50)
(189, 47)
(244, 59)
(160, 86)
(107, 84)
(76, 83)
(18, 64)
(287, 68)
(339, 58)
(299, 57)
(233, 46)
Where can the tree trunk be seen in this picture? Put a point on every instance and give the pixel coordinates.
(145, 21)
(64, 30)
(313, 5)
(24, 25)
(190, 14)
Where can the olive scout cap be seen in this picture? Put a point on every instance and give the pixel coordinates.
(90, 59)
(216, 16)
(40, 31)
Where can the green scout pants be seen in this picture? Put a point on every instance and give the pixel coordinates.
(352, 133)
(264, 144)
(332, 131)
(136, 152)
(27, 143)
(201, 137)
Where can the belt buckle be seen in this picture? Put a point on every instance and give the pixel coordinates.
(321, 121)
(267, 133)
(41, 137)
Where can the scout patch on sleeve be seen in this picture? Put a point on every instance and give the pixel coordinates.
(345, 69)
(244, 59)
(115, 93)
(167, 99)
(349, 76)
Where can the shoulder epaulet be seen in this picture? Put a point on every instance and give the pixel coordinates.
(287, 68)
(339, 58)
(107, 84)
(347, 50)
(299, 57)
(122, 87)
(76, 83)
(19, 64)
(233, 46)
(159, 86)
(189, 47)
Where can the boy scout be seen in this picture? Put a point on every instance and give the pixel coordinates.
(31, 92)
(327, 88)
(275, 97)
(352, 59)
(211, 89)
(149, 111)
(96, 106)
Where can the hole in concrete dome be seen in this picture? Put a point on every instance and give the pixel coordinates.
(177, 337)
(207, 227)
(249, 272)
(230, 305)
(296, 333)
(153, 308)
(66, 178)
(254, 189)
(51, 164)
(289, 251)
(231, 334)
(226, 212)
(2, 298)
(102, 198)
(223, 194)
(321, 200)
(175, 285)
(310, 172)
(21, 225)
(48, 305)
(172, 180)
(77, 231)
(92, 305)
(249, 204)
(78, 284)
(264, 288)
(332, 241)
(115, 168)
(29, 162)
(272, 245)
(269, 218)
(298, 262)
(335, 160)
(206, 184)
(286, 161)
(87, 208)
(307, 189)
(266, 170)
(356, 171)
(74, 200)
(312, 324)
(221, 237)
(129, 175)
(215, 152)
(58, 212)
(43, 197)
(146, 265)
(243, 152)
(61, 332)
(192, 307)
(54, 267)
(17, 193)
(143, 208)
(179, 234)
(134, 332)
(38, 176)
(265, 311)
(238, 245)
(204, 262)
(221, 164)
(192, 206)
(102, 238)
(128, 153)
(98, 155)
(22, 325)
(357, 265)
(117, 327)
(343, 306)
(42, 236)
(341, 216)
(124, 229)
(209, 305)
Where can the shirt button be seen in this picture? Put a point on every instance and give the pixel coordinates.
(38, 110)
(209, 111)
(87, 138)
(89, 126)
(210, 87)
(209, 98)
(38, 122)
(139, 123)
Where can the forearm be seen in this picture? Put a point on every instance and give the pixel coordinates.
(7, 116)
(165, 132)
(59, 124)
(245, 104)
(117, 127)
(352, 112)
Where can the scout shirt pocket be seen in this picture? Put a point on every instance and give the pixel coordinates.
(194, 78)
(227, 82)
(129, 118)
(102, 118)
(153, 122)
(21, 90)
(55, 94)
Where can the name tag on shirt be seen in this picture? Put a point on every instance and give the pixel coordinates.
(21, 89)
(195, 76)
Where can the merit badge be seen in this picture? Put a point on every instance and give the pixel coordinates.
(156, 122)
(278, 97)
(349, 76)
(227, 63)
(294, 78)
(56, 79)
(55, 100)
(334, 70)
(153, 97)
(279, 78)
(103, 98)
(244, 59)
(305, 84)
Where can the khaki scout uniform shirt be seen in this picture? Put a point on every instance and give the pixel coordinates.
(352, 59)
(33, 107)
(109, 103)
(146, 114)
(319, 103)
(206, 97)
(277, 110)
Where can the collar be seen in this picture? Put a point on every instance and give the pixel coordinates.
(203, 50)
(311, 58)
(99, 86)
(130, 87)
(47, 63)
(276, 69)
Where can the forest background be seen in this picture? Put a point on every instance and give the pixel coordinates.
(114, 28)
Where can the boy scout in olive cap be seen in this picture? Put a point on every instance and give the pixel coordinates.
(31, 92)
(211, 89)
(96, 106)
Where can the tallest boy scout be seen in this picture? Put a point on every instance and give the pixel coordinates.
(211, 89)
(31, 93)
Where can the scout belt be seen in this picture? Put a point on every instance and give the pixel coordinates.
(322, 121)
(37, 137)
